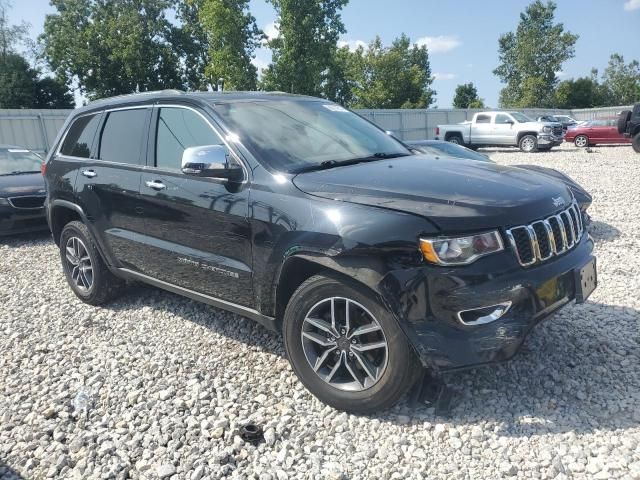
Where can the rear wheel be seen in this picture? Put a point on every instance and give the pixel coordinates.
(581, 141)
(635, 143)
(345, 347)
(86, 272)
(457, 139)
(528, 143)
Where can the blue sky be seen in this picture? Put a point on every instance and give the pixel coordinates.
(462, 35)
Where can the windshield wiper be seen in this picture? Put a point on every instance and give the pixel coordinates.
(352, 161)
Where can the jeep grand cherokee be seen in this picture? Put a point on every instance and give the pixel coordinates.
(299, 214)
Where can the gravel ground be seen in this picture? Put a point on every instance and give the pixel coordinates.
(156, 386)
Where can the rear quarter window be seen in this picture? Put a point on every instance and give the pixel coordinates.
(123, 135)
(79, 137)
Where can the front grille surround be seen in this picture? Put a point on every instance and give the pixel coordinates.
(27, 202)
(547, 238)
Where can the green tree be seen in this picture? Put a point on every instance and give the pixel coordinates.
(621, 81)
(191, 44)
(398, 76)
(339, 81)
(51, 93)
(531, 56)
(583, 92)
(233, 37)
(466, 96)
(17, 82)
(306, 47)
(110, 47)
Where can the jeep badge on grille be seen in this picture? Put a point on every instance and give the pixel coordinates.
(557, 201)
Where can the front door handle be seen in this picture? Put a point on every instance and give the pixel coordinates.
(89, 173)
(155, 184)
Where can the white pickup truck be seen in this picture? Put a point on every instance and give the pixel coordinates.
(491, 129)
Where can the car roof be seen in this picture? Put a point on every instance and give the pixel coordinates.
(176, 95)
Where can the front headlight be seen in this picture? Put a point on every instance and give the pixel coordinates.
(546, 129)
(460, 250)
(4, 201)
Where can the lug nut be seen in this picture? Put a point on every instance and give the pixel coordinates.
(343, 331)
(350, 354)
(353, 341)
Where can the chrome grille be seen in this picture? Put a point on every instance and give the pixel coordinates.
(557, 131)
(27, 202)
(543, 239)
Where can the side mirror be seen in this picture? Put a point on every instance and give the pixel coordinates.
(209, 161)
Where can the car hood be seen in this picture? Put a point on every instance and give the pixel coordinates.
(22, 184)
(538, 125)
(456, 195)
(583, 197)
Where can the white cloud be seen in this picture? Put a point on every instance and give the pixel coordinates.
(631, 5)
(444, 76)
(352, 44)
(271, 30)
(560, 74)
(439, 44)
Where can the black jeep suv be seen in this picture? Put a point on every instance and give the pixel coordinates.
(629, 125)
(299, 214)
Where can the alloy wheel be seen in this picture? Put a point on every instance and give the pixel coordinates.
(528, 144)
(581, 141)
(79, 264)
(344, 344)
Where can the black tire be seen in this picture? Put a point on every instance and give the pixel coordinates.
(527, 140)
(581, 141)
(623, 119)
(104, 285)
(635, 143)
(455, 138)
(402, 366)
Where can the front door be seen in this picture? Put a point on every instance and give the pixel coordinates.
(503, 129)
(108, 185)
(197, 228)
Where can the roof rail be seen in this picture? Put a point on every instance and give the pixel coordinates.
(167, 91)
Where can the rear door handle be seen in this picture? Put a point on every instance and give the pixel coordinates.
(155, 184)
(89, 173)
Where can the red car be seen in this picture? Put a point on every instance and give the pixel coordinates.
(595, 132)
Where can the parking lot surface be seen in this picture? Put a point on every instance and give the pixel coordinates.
(157, 386)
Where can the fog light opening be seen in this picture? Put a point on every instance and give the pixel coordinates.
(482, 315)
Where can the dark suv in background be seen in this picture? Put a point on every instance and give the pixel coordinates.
(295, 212)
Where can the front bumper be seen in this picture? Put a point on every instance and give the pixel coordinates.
(14, 221)
(427, 300)
(549, 140)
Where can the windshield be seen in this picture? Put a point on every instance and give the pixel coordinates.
(17, 160)
(520, 117)
(293, 136)
(452, 150)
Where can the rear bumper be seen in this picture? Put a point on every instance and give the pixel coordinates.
(14, 221)
(427, 300)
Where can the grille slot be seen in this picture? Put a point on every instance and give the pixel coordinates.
(557, 131)
(27, 202)
(546, 238)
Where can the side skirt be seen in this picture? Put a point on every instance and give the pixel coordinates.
(267, 322)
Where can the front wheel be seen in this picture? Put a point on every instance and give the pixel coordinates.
(528, 143)
(581, 141)
(345, 346)
(635, 143)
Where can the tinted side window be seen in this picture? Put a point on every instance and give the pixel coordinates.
(179, 129)
(122, 136)
(502, 118)
(483, 119)
(80, 136)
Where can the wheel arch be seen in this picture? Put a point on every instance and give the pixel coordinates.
(62, 212)
(299, 268)
(526, 132)
(449, 135)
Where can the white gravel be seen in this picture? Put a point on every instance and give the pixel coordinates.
(156, 386)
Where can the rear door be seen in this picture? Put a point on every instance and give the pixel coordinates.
(482, 129)
(597, 132)
(108, 184)
(197, 228)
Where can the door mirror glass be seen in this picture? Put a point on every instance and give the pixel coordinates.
(210, 161)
